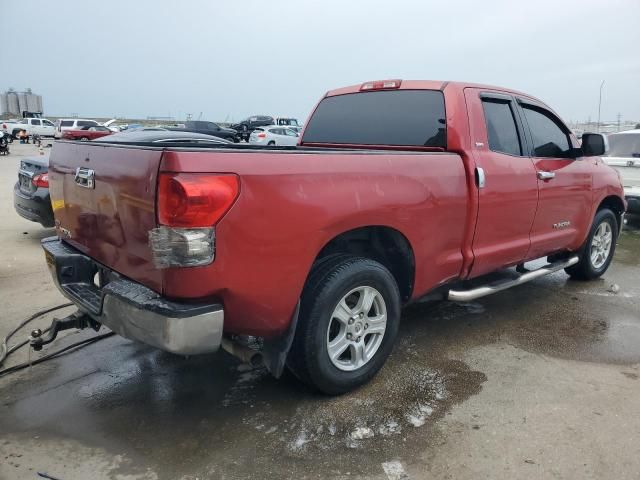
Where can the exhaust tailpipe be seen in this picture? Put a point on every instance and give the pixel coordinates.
(242, 352)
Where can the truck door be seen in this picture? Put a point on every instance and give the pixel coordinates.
(564, 182)
(506, 179)
(36, 128)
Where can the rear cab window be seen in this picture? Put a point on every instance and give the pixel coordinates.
(502, 131)
(411, 118)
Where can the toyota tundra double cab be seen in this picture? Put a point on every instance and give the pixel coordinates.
(302, 257)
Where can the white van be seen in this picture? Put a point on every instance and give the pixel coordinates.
(72, 124)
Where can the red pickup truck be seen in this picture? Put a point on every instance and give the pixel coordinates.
(303, 256)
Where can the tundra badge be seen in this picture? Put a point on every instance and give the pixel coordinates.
(563, 224)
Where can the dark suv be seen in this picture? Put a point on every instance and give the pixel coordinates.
(248, 125)
(207, 128)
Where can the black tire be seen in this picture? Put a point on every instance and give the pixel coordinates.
(329, 281)
(84, 139)
(271, 144)
(584, 269)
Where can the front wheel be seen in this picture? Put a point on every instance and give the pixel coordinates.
(348, 322)
(597, 252)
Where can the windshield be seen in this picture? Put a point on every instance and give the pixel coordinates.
(398, 117)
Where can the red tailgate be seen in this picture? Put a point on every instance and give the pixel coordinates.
(110, 219)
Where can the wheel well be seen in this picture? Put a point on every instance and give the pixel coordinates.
(382, 244)
(614, 204)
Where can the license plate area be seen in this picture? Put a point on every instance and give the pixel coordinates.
(24, 182)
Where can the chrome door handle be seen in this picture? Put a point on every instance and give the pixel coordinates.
(542, 175)
(481, 179)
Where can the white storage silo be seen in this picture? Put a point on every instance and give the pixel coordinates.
(12, 103)
(4, 104)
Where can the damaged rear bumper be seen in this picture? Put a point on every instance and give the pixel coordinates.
(131, 309)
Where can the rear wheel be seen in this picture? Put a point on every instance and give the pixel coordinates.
(84, 139)
(349, 317)
(271, 143)
(597, 252)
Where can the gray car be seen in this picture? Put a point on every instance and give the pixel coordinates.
(624, 156)
(274, 135)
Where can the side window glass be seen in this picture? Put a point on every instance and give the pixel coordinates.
(501, 127)
(549, 137)
(47, 123)
(35, 122)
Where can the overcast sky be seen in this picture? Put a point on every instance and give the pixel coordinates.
(134, 58)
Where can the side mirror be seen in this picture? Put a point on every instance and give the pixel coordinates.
(594, 144)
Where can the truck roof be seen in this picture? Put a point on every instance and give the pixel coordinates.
(426, 85)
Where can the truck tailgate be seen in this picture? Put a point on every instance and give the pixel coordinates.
(103, 199)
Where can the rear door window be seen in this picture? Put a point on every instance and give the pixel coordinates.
(86, 123)
(501, 127)
(66, 123)
(399, 117)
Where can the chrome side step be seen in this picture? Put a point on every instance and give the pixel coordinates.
(483, 291)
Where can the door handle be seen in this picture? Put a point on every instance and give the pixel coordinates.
(542, 175)
(480, 177)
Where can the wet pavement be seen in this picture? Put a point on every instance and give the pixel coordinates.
(450, 402)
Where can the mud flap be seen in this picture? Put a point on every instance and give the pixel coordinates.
(275, 350)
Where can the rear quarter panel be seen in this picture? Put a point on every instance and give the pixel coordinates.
(292, 204)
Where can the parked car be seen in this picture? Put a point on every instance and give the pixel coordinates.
(624, 156)
(33, 126)
(314, 249)
(273, 136)
(31, 198)
(87, 133)
(208, 128)
(64, 124)
(248, 125)
(286, 122)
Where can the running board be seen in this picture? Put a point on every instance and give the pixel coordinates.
(469, 295)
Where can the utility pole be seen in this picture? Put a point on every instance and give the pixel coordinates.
(619, 116)
(600, 105)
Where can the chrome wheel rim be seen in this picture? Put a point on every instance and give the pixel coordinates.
(356, 328)
(601, 245)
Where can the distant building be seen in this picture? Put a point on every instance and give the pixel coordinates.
(14, 103)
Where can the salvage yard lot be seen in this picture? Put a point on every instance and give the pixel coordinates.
(538, 381)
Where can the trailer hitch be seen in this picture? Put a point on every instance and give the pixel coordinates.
(75, 320)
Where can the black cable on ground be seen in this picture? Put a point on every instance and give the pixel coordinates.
(4, 351)
(55, 354)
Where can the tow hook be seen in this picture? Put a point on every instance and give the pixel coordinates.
(75, 320)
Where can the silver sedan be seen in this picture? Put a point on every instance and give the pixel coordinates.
(273, 135)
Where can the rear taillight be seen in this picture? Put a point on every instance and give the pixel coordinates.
(41, 180)
(195, 199)
(189, 206)
(262, 135)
